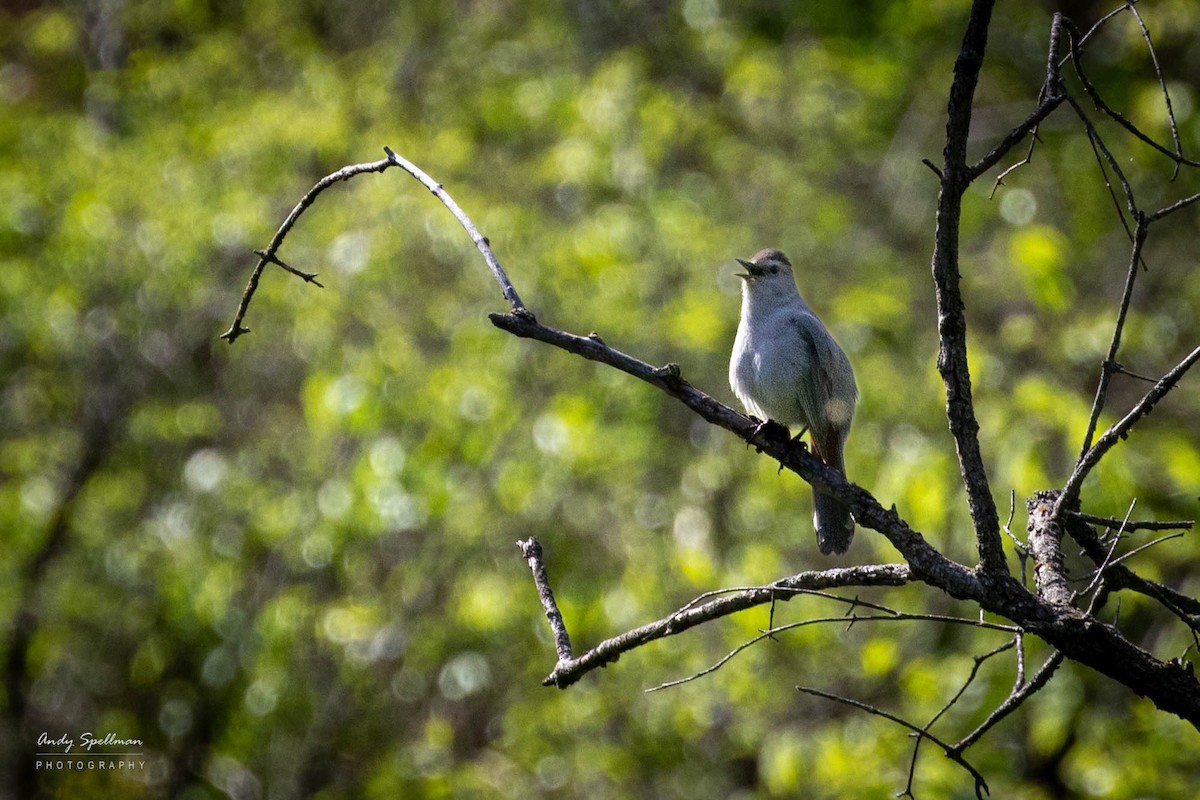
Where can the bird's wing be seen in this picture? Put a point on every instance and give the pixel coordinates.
(828, 398)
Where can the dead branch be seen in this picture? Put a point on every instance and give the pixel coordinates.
(890, 616)
(978, 661)
(956, 177)
(1112, 523)
(267, 256)
(956, 756)
(1120, 429)
(568, 671)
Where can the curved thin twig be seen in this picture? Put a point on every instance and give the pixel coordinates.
(1162, 84)
(481, 242)
(267, 256)
(979, 661)
(1171, 209)
(1090, 89)
(1120, 430)
(981, 787)
(854, 619)
(1020, 693)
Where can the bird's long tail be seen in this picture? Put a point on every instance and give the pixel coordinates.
(835, 526)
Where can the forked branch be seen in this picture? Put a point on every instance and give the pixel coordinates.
(707, 608)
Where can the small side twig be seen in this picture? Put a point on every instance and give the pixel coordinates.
(1136, 550)
(309, 277)
(1116, 540)
(1022, 548)
(1100, 23)
(1171, 209)
(1020, 693)
(267, 256)
(1120, 429)
(978, 662)
(853, 619)
(1033, 140)
(955, 755)
(1112, 523)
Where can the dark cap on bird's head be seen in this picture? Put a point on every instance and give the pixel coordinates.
(765, 261)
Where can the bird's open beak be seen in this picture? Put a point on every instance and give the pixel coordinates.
(752, 269)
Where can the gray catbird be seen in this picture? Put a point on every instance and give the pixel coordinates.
(786, 367)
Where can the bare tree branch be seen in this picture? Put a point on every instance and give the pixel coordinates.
(1082, 40)
(1020, 693)
(481, 241)
(956, 756)
(854, 619)
(1110, 360)
(1105, 156)
(1133, 525)
(1183, 606)
(268, 256)
(567, 672)
(1117, 116)
(1121, 428)
(1050, 98)
(926, 562)
(978, 661)
(952, 326)
(531, 550)
(1171, 209)
(1033, 140)
(1177, 155)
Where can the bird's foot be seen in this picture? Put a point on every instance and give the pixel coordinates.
(796, 438)
(768, 431)
(795, 442)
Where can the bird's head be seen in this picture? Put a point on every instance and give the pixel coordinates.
(768, 269)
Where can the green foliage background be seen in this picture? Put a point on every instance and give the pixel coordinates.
(288, 565)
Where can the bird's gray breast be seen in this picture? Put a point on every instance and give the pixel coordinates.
(769, 365)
